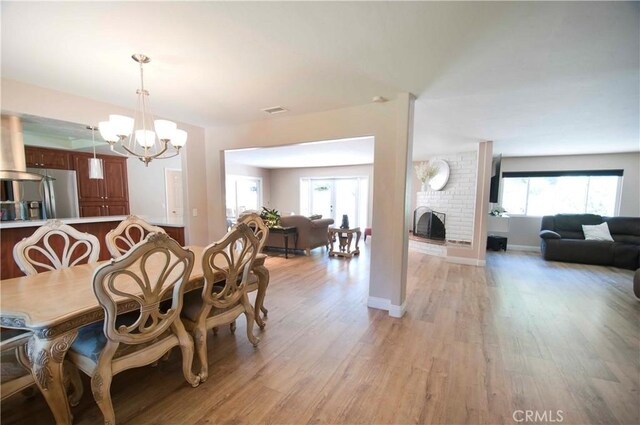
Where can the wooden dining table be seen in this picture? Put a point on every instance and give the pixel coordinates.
(54, 305)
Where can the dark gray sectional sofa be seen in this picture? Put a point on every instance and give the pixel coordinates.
(562, 239)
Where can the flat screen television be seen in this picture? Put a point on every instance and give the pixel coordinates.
(495, 179)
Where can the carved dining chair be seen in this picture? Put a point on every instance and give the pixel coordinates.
(258, 226)
(157, 268)
(54, 246)
(226, 265)
(261, 230)
(128, 233)
(15, 375)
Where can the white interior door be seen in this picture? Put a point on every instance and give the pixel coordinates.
(173, 184)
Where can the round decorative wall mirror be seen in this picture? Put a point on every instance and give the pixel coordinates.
(441, 178)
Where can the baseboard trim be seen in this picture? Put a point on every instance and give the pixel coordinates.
(385, 304)
(379, 303)
(528, 248)
(398, 310)
(466, 261)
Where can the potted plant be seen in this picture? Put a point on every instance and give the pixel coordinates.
(271, 217)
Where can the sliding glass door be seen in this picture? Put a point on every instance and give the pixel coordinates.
(335, 197)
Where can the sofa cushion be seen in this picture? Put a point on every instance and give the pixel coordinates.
(597, 232)
(634, 240)
(624, 225)
(626, 256)
(574, 222)
(579, 251)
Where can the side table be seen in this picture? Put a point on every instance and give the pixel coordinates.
(286, 232)
(345, 237)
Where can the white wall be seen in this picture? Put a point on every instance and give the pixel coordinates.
(524, 230)
(147, 186)
(285, 184)
(234, 168)
(457, 198)
(22, 98)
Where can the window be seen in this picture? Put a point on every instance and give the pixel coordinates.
(243, 193)
(574, 192)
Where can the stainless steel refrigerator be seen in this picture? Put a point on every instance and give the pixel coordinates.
(58, 192)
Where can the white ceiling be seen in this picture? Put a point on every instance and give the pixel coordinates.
(353, 151)
(535, 77)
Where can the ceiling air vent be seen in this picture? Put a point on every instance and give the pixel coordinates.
(275, 110)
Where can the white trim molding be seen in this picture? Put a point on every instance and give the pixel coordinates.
(379, 303)
(385, 304)
(398, 310)
(466, 261)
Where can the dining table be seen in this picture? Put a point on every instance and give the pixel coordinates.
(54, 305)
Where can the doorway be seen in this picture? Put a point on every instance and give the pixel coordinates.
(335, 197)
(173, 188)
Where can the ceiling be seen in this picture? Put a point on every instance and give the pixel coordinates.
(537, 78)
(353, 151)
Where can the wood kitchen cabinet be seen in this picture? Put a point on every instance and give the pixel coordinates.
(47, 158)
(103, 197)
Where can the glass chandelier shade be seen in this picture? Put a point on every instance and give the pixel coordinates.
(142, 136)
(95, 164)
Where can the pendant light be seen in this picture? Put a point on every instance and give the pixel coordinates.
(142, 136)
(95, 164)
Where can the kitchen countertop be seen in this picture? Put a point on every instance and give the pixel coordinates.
(36, 223)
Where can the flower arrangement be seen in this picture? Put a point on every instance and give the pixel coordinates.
(425, 171)
(271, 217)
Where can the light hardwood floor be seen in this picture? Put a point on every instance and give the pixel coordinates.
(476, 345)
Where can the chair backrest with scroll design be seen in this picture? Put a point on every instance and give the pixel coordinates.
(128, 233)
(51, 248)
(145, 276)
(226, 264)
(260, 229)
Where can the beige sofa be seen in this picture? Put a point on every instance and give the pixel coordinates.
(311, 233)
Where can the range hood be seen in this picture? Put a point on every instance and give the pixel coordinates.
(13, 165)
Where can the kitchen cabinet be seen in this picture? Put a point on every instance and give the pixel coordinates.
(11, 233)
(102, 197)
(37, 157)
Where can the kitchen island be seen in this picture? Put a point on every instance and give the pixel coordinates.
(13, 231)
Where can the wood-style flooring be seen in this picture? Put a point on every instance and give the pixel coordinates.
(476, 345)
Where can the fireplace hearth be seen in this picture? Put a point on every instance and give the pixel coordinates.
(429, 224)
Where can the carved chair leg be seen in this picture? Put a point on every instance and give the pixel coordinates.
(186, 346)
(101, 383)
(46, 357)
(75, 384)
(263, 282)
(200, 339)
(248, 311)
(101, 388)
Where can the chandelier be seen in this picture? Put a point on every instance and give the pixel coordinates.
(142, 136)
